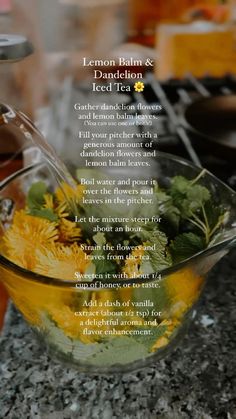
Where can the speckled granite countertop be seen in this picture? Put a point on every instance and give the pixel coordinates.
(197, 381)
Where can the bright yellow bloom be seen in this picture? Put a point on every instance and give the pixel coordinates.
(61, 261)
(49, 203)
(62, 211)
(160, 343)
(68, 231)
(35, 299)
(25, 236)
(171, 325)
(133, 263)
(183, 289)
(68, 192)
(139, 87)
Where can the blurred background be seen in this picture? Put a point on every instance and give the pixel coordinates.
(192, 42)
(196, 37)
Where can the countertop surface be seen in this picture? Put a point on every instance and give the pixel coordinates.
(197, 381)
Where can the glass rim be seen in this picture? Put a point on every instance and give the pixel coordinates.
(86, 285)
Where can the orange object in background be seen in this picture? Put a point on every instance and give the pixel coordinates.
(184, 49)
(144, 16)
(214, 13)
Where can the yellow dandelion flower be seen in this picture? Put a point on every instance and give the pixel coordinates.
(139, 87)
(133, 263)
(25, 236)
(66, 320)
(183, 289)
(138, 252)
(62, 211)
(171, 325)
(61, 261)
(66, 190)
(68, 231)
(49, 203)
(160, 343)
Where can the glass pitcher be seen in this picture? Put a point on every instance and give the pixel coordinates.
(60, 312)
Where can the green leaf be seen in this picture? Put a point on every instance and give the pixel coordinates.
(186, 245)
(166, 209)
(149, 340)
(45, 213)
(118, 350)
(102, 264)
(114, 350)
(189, 198)
(36, 201)
(179, 187)
(35, 198)
(172, 216)
(159, 258)
(198, 196)
(82, 351)
(157, 296)
(67, 346)
(100, 239)
(198, 193)
(55, 336)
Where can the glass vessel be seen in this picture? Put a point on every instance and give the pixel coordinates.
(59, 311)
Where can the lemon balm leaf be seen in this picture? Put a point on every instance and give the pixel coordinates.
(100, 256)
(186, 245)
(188, 197)
(179, 187)
(36, 201)
(100, 239)
(45, 213)
(35, 198)
(156, 333)
(159, 258)
(118, 350)
(199, 194)
(166, 209)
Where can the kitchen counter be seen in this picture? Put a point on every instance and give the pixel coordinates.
(197, 381)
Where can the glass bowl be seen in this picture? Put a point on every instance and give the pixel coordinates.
(82, 323)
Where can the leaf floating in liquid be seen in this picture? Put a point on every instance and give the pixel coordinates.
(35, 198)
(186, 245)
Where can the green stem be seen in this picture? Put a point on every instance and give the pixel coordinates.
(197, 225)
(203, 227)
(205, 218)
(202, 173)
(218, 224)
(208, 230)
(198, 220)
